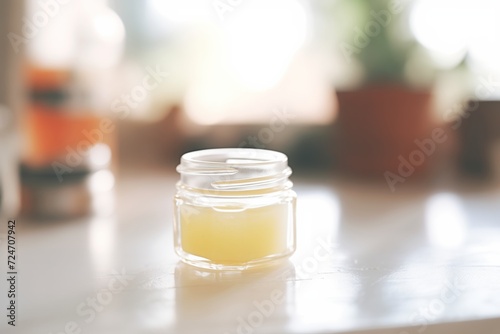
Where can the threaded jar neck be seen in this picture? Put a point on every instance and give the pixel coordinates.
(234, 170)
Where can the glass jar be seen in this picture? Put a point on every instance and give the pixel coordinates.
(234, 208)
(68, 130)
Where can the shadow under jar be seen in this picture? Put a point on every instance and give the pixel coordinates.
(234, 208)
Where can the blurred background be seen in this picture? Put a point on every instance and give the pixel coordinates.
(389, 112)
(399, 92)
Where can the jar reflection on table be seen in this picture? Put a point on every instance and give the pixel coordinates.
(230, 299)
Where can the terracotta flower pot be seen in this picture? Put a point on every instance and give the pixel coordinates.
(378, 124)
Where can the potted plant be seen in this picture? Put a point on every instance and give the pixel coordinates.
(385, 103)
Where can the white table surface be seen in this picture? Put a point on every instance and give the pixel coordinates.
(368, 260)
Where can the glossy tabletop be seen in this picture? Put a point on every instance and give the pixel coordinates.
(418, 260)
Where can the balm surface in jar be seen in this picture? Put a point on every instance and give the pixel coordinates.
(234, 208)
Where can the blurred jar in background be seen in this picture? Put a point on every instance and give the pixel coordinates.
(68, 132)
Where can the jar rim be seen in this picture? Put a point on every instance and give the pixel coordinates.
(243, 156)
(234, 169)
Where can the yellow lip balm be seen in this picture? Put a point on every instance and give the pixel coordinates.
(234, 208)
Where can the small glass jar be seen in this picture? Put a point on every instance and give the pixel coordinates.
(234, 208)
